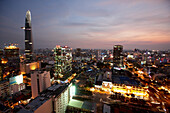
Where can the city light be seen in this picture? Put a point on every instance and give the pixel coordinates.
(11, 47)
(110, 63)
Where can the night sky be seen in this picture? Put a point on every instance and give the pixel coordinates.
(143, 24)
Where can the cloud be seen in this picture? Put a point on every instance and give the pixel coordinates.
(89, 24)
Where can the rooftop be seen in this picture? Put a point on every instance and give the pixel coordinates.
(11, 47)
(44, 96)
(81, 104)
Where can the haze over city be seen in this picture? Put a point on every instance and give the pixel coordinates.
(88, 24)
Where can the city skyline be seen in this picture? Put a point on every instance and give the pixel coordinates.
(89, 24)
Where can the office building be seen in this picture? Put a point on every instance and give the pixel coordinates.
(98, 56)
(28, 37)
(61, 100)
(117, 56)
(44, 80)
(11, 53)
(34, 84)
(78, 52)
(40, 80)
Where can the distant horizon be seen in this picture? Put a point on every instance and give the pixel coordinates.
(89, 24)
(94, 48)
(84, 48)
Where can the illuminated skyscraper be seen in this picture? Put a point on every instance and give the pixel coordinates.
(63, 59)
(117, 55)
(28, 37)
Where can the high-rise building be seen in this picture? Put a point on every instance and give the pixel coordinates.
(39, 82)
(78, 52)
(44, 80)
(12, 54)
(98, 55)
(11, 61)
(63, 59)
(34, 84)
(11, 51)
(1, 53)
(28, 37)
(117, 55)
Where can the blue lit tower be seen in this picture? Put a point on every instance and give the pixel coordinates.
(28, 37)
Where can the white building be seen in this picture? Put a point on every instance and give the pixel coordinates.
(39, 82)
(61, 101)
(53, 100)
(16, 84)
(34, 86)
(44, 80)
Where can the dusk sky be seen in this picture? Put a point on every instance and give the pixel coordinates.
(96, 24)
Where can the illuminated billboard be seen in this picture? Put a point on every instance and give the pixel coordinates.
(16, 80)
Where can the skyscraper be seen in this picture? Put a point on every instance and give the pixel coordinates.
(63, 59)
(11, 53)
(40, 80)
(28, 37)
(117, 55)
